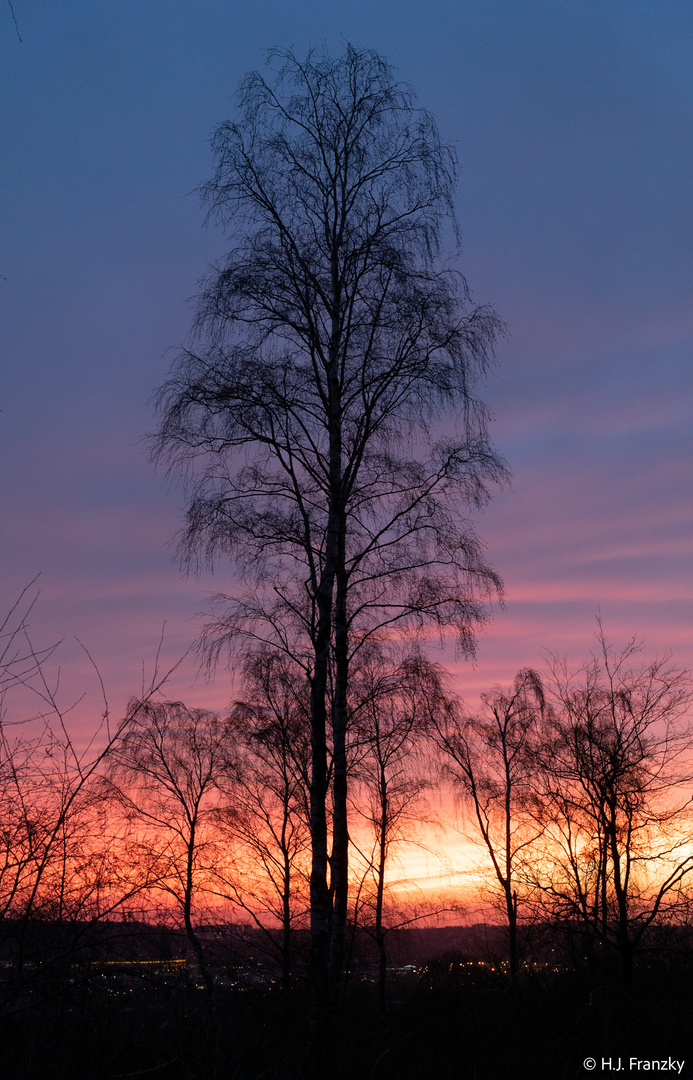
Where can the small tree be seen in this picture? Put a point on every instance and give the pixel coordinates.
(490, 760)
(167, 769)
(615, 799)
(266, 814)
(391, 704)
(59, 865)
(329, 344)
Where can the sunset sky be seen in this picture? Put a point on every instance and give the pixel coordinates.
(573, 122)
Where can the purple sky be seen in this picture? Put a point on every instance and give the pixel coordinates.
(574, 127)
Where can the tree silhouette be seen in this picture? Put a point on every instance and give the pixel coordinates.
(167, 768)
(266, 813)
(59, 846)
(613, 782)
(491, 759)
(392, 702)
(329, 346)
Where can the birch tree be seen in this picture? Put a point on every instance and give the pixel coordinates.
(324, 414)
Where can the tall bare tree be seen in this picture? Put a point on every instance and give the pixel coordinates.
(330, 345)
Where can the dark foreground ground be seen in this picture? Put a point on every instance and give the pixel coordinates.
(450, 1018)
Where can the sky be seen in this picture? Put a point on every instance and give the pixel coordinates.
(573, 123)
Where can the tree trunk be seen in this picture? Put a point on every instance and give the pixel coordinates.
(511, 905)
(319, 899)
(340, 826)
(379, 933)
(286, 927)
(187, 918)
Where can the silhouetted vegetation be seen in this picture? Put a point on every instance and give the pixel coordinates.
(329, 344)
(116, 959)
(194, 894)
